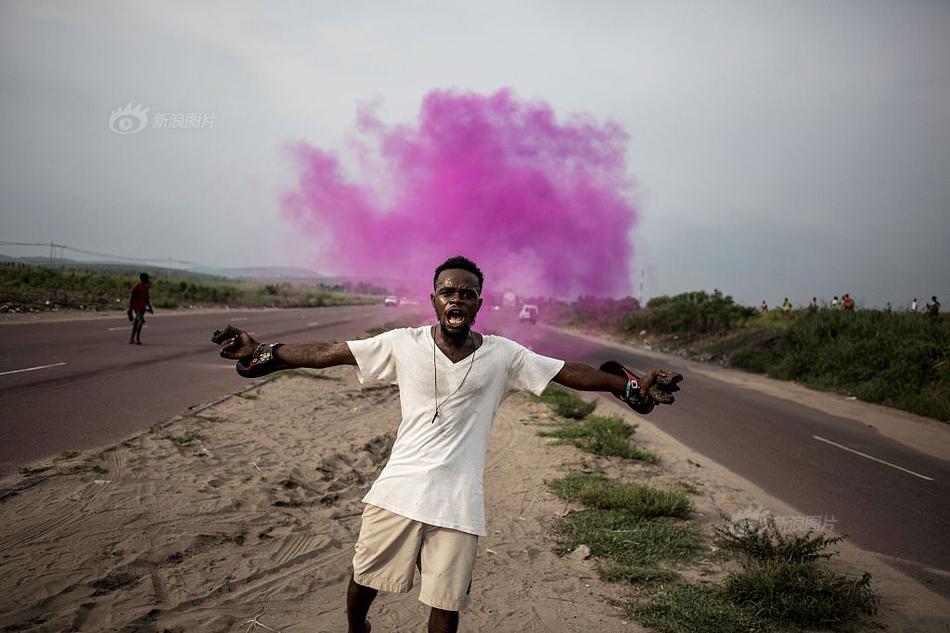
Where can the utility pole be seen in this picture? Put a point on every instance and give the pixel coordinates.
(642, 273)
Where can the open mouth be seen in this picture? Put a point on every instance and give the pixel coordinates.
(455, 317)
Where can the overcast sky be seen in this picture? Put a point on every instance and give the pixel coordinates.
(778, 148)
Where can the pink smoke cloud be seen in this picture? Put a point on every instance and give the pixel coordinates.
(541, 205)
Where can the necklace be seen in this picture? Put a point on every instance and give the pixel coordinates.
(435, 375)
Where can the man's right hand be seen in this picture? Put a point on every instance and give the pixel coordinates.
(235, 344)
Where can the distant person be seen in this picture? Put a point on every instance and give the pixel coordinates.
(888, 307)
(834, 303)
(847, 303)
(813, 306)
(764, 306)
(913, 305)
(933, 308)
(138, 303)
(786, 308)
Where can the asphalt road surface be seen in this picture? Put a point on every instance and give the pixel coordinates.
(72, 385)
(78, 384)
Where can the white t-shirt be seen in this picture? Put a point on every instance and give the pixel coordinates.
(436, 470)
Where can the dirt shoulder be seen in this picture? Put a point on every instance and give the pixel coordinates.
(260, 510)
(254, 504)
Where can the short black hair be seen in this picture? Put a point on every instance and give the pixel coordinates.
(461, 263)
(143, 278)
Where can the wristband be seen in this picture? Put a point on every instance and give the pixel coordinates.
(262, 362)
(633, 388)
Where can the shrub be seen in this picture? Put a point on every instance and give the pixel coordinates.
(801, 593)
(689, 314)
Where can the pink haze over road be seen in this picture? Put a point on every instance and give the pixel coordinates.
(540, 204)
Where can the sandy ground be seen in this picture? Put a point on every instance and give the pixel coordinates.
(262, 511)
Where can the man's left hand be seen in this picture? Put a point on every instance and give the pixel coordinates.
(656, 387)
(659, 385)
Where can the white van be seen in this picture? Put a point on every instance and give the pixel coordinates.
(529, 313)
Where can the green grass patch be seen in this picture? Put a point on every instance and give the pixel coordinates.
(781, 583)
(608, 436)
(596, 491)
(696, 609)
(635, 574)
(65, 455)
(566, 403)
(763, 597)
(187, 437)
(804, 594)
(248, 396)
(627, 539)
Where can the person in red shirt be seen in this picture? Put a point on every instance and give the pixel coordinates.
(138, 304)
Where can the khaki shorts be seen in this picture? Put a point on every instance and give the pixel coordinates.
(390, 546)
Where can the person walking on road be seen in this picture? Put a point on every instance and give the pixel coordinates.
(426, 507)
(138, 303)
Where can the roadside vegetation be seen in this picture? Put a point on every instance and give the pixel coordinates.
(608, 436)
(25, 288)
(782, 583)
(897, 359)
(645, 537)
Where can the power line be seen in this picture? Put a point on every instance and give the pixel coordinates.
(64, 247)
(25, 243)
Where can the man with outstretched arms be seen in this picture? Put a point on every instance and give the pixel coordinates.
(426, 508)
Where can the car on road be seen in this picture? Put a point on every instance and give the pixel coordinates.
(529, 313)
(391, 301)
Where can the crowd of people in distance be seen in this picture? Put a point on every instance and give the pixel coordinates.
(846, 303)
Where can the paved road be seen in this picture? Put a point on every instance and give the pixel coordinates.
(771, 442)
(105, 389)
(93, 388)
